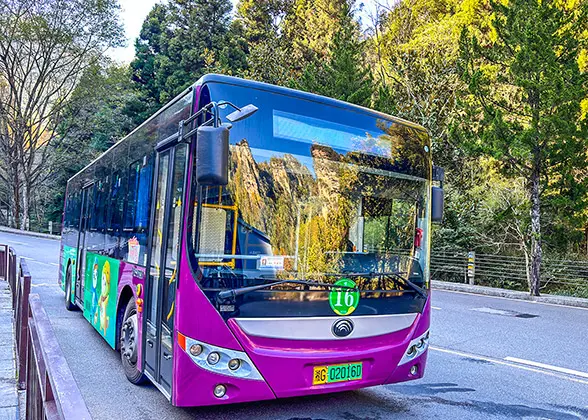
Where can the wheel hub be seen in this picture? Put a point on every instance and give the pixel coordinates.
(128, 345)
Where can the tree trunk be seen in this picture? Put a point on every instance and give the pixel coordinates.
(536, 250)
(26, 201)
(527, 271)
(16, 200)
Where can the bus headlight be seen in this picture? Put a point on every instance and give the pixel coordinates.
(416, 347)
(195, 349)
(219, 359)
(234, 364)
(213, 358)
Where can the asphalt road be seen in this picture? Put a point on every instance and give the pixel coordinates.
(490, 358)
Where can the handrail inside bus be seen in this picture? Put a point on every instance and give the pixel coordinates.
(229, 256)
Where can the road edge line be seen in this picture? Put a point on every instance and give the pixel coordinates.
(548, 367)
(567, 301)
(510, 364)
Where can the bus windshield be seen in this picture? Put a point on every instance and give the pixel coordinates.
(316, 196)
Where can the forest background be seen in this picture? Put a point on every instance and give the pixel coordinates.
(502, 88)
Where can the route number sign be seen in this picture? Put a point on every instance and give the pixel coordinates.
(343, 300)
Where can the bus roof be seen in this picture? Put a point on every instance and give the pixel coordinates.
(219, 78)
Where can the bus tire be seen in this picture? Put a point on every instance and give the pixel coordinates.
(68, 303)
(129, 344)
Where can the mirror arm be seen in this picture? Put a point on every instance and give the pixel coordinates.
(215, 115)
(182, 125)
(230, 104)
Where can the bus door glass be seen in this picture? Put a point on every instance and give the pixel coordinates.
(169, 196)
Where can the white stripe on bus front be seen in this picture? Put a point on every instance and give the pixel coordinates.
(320, 328)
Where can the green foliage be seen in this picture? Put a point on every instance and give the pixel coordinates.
(345, 74)
(500, 86)
(45, 46)
(311, 26)
(179, 41)
(261, 18)
(101, 111)
(267, 59)
(525, 108)
(526, 90)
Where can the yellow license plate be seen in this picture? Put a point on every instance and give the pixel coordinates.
(337, 373)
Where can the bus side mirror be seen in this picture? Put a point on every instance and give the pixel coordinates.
(437, 202)
(212, 155)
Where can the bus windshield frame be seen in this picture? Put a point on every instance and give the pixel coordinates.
(277, 157)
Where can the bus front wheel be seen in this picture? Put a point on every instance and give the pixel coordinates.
(68, 303)
(128, 344)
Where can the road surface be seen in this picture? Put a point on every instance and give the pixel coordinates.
(490, 358)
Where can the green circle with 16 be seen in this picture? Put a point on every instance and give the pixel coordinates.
(343, 300)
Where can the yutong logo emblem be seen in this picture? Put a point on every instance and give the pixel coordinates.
(342, 327)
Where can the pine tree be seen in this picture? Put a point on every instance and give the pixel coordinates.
(526, 89)
(176, 44)
(345, 74)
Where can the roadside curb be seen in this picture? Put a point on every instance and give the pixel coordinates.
(29, 233)
(511, 294)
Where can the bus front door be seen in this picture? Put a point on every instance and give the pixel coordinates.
(163, 266)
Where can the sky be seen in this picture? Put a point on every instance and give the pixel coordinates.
(133, 14)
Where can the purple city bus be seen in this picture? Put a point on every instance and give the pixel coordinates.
(250, 242)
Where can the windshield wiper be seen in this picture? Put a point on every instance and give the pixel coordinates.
(375, 274)
(233, 293)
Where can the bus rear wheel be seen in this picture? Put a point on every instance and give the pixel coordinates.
(68, 303)
(129, 343)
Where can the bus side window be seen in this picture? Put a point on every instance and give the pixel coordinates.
(143, 197)
(136, 217)
(92, 208)
(76, 211)
(132, 190)
(114, 210)
(102, 204)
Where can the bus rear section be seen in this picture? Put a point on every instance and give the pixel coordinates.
(308, 271)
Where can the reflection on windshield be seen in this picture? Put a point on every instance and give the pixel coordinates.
(342, 205)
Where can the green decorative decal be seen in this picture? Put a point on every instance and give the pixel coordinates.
(344, 301)
(69, 254)
(100, 288)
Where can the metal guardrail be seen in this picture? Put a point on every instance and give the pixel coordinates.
(506, 270)
(51, 391)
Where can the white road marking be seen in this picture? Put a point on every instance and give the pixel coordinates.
(514, 300)
(44, 285)
(548, 367)
(435, 307)
(505, 363)
(55, 264)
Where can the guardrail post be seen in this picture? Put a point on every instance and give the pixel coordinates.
(22, 322)
(3, 259)
(471, 266)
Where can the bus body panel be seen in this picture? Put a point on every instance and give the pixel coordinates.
(287, 365)
(194, 386)
(132, 277)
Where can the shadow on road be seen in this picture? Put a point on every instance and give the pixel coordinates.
(349, 405)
